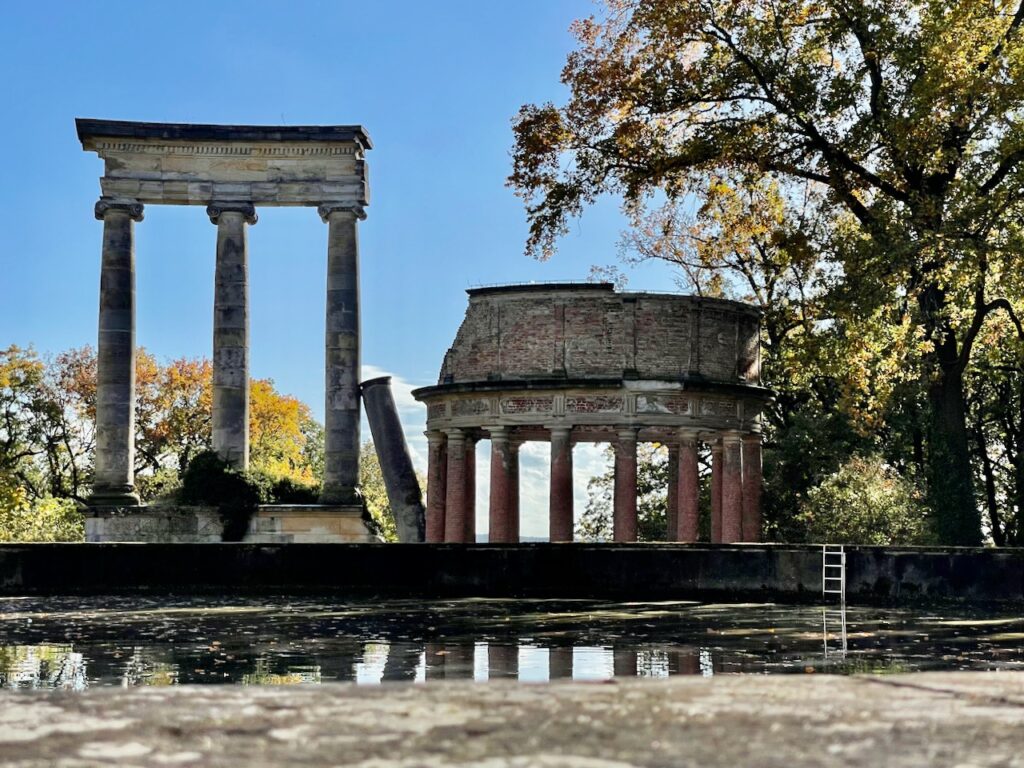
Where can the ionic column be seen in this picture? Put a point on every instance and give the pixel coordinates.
(469, 535)
(560, 498)
(114, 476)
(499, 512)
(672, 494)
(437, 470)
(752, 487)
(560, 663)
(455, 488)
(716, 492)
(231, 332)
(502, 661)
(624, 513)
(732, 488)
(688, 493)
(341, 417)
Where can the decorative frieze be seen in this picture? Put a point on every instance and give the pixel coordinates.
(514, 405)
(677, 405)
(593, 404)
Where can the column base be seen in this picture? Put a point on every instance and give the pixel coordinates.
(113, 499)
(341, 497)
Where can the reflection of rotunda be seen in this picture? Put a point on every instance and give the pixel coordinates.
(569, 363)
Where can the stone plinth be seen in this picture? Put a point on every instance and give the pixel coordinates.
(272, 524)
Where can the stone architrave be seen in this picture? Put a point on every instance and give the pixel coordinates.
(231, 332)
(342, 413)
(114, 477)
(624, 522)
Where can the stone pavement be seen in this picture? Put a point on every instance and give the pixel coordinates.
(927, 719)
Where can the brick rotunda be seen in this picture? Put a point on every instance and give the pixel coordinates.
(568, 363)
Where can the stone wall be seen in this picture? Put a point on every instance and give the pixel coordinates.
(627, 572)
(590, 331)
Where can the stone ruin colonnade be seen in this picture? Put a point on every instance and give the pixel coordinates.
(568, 363)
(231, 170)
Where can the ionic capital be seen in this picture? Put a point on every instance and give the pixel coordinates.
(131, 207)
(688, 436)
(626, 435)
(497, 434)
(353, 209)
(248, 211)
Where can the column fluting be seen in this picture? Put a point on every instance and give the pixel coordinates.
(672, 494)
(437, 471)
(560, 497)
(455, 488)
(469, 535)
(499, 511)
(752, 484)
(732, 488)
(688, 493)
(716, 492)
(624, 521)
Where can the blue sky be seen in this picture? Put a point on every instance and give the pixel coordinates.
(435, 84)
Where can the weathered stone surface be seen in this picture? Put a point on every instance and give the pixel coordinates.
(939, 719)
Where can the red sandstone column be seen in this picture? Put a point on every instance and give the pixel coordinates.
(752, 487)
(716, 492)
(672, 495)
(560, 512)
(501, 478)
(624, 513)
(513, 491)
(455, 487)
(469, 535)
(732, 488)
(437, 469)
(688, 491)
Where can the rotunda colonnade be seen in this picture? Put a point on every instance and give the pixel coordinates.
(569, 363)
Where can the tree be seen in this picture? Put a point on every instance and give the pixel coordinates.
(899, 117)
(375, 495)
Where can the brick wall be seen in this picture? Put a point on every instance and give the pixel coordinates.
(583, 332)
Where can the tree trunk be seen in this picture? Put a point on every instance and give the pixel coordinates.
(956, 519)
(988, 473)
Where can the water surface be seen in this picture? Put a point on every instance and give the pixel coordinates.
(80, 642)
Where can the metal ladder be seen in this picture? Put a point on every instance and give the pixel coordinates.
(833, 582)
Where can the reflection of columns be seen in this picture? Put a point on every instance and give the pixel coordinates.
(455, 488)
(502, 661)
(559, 663)
(469, 536)
(114, 476)
(433, 661)
(341, 417)
(732, 488)
(437, 470)
(624, 662)
(460, 661)
(716, 492)
(231, 332)
(688, 487)
(624, 513)
(500, 509)
(752, 487)
(560, 511)
(672, 495)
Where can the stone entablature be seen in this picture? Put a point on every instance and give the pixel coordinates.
(185, 164)
(591, 331)
(653, 408)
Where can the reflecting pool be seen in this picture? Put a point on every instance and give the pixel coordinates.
(79, 642)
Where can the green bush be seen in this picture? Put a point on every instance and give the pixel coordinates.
(865, 502)
(45, 519)
(208, 480)
(285, 490)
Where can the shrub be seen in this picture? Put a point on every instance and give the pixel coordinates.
(286, 490)
(45, 519)
(208, 480)
(865, 502)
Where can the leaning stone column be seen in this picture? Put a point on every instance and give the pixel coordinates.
(341, 417)
(469, 535)
(499, 512)
(752, 487)
(716, 492)
(114, 477)
(688, 493)
(624, 512)
(437, 471)
(560, 511)
(455, 488)
(732, 488)
(231, 332)
(672, 494)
